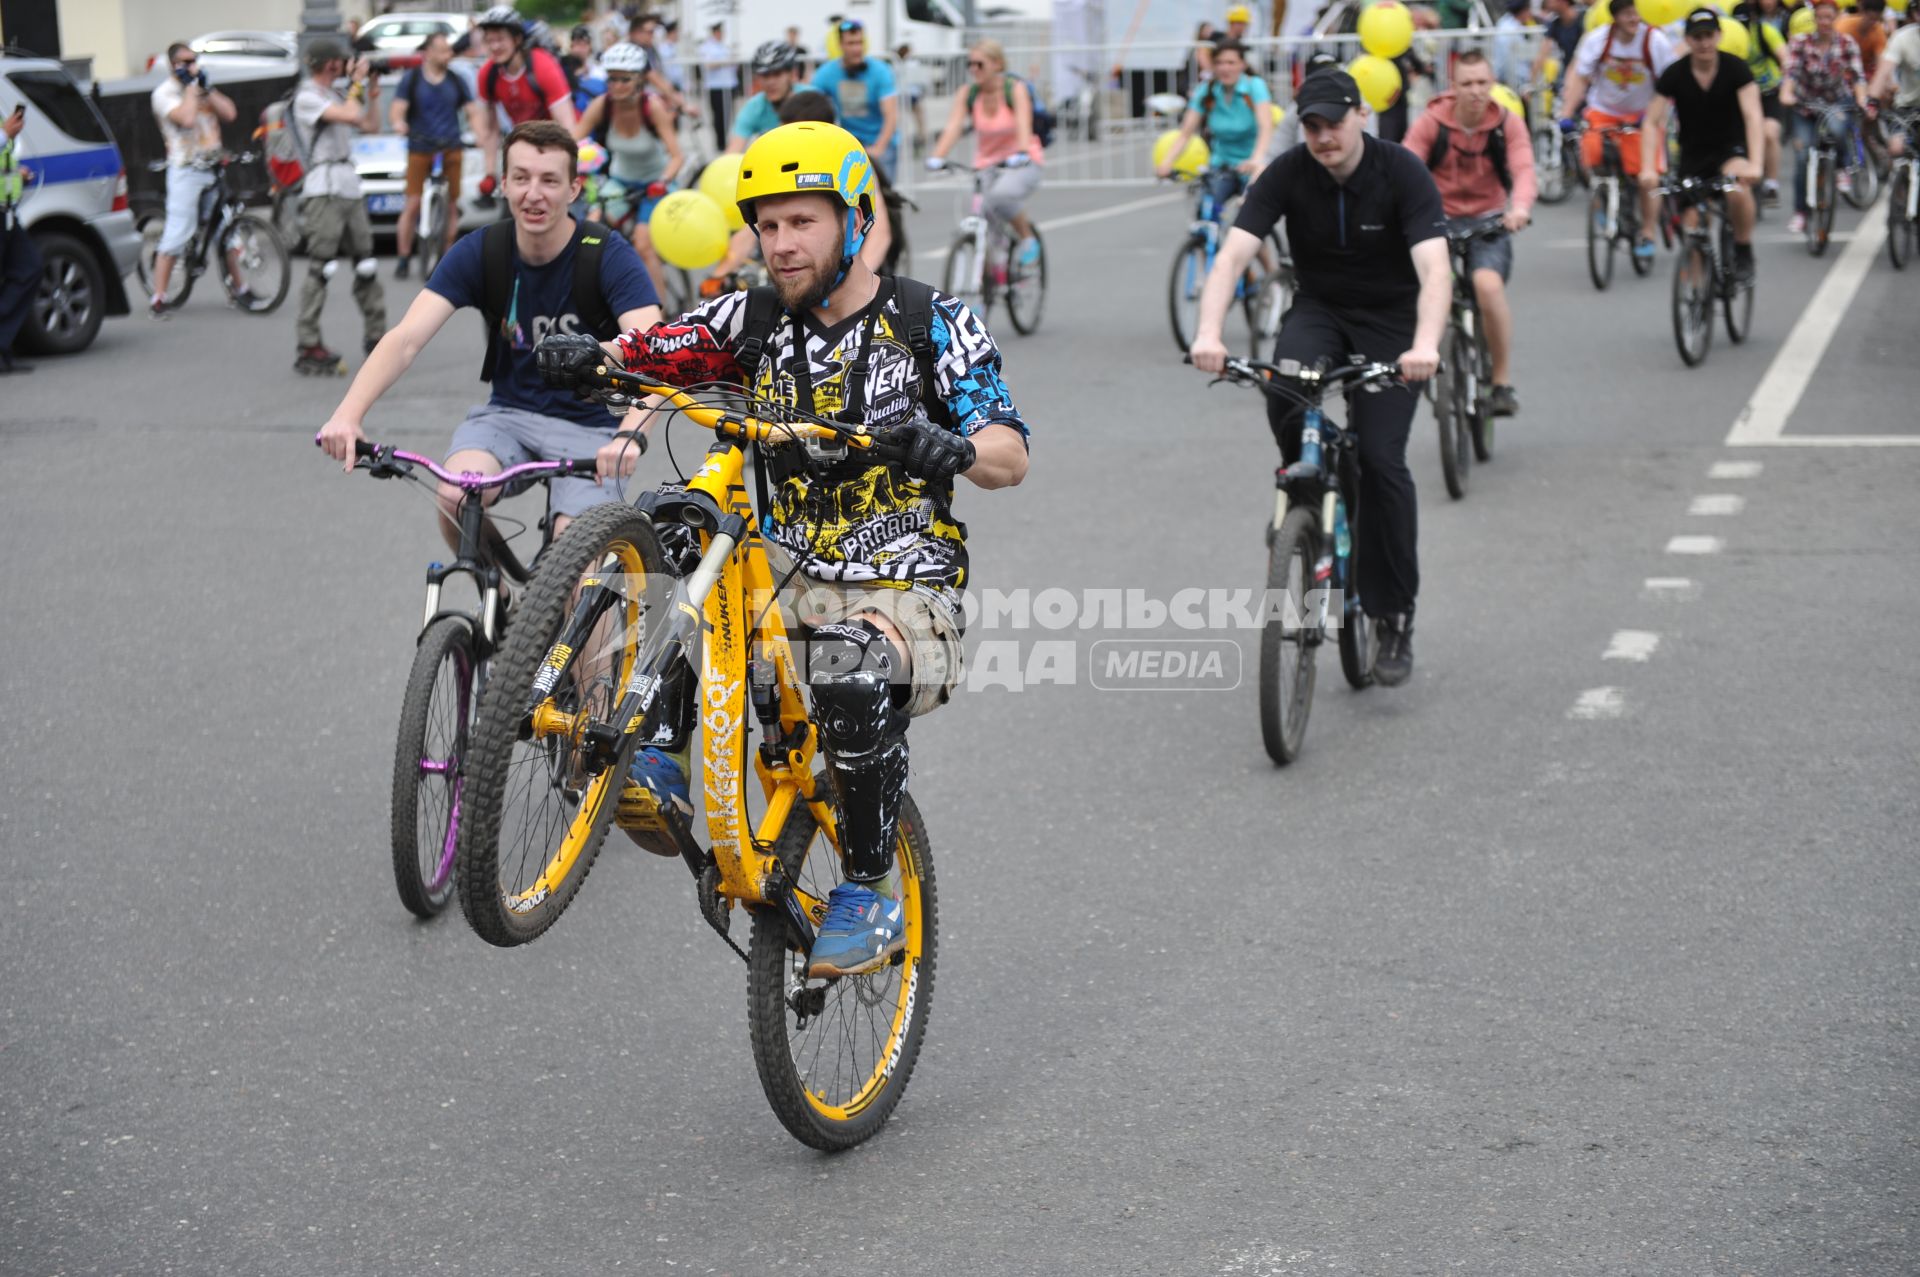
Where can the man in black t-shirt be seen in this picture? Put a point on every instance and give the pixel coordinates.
(1717, 102)
(1369, 244)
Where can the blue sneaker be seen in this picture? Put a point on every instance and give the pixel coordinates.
(862, 930)
(1643, 249)
(1029, 250)
(656, 785)
(664, 774)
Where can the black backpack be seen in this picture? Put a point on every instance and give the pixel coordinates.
(496, 272)
(1496, 147)
(915, 302)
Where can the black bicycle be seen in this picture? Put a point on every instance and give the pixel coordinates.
(1310, 546)
(450, 663)
(257, 269)
(1613, 212)
(1706, 275)
(1462, 393)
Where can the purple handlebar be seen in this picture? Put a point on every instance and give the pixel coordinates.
(469, 481)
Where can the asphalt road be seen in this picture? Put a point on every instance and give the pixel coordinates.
(1545, 962)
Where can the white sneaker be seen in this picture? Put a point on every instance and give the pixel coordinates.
(1797, 224)
(1846, 181)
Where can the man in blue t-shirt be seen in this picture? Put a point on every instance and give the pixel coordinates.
(525, 419)
(864, 93)
(426, 109)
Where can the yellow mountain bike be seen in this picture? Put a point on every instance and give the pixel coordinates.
(603, 632)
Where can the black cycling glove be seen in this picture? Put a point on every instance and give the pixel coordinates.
(924, 450)
(566, 359)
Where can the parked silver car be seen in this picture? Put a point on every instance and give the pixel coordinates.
(75, 207)
(403, 32)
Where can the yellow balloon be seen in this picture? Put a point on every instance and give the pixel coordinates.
(1278, 114)
(689, 230)
(1662, 13)
(1801, 23)
(833, 42)
(717, 182)
(1379, 79)
(1386, 29)
(1508, 98)
(1192, 159)
(1898, 6)
(1598, 16)
(1734, 39)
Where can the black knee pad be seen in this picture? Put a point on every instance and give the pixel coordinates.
(856, 672)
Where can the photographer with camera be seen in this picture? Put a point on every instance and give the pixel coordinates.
(190, 112)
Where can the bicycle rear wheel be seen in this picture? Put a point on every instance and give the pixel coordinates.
(1693, 302)
(1736, 303)
(1451, 397)
(1026, 286)
(1480, 423)
(180, 282)
(256, 250)
(1358, 646)
(536, 805)
(1183, 290)
(835, 1055)
(1599, 239)
(428, 764)
(1290, 639)
(1899, 226)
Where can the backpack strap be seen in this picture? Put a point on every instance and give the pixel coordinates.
(589, 298)
(1437, 153)
(914, 301)
(1496, 147)
(496, 288)
(490, 82)
(763, 315)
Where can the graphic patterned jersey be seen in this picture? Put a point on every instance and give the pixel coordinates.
(869, 523)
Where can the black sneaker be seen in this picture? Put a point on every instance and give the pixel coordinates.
(403, 268)
(1503, 401)
(1393, 664)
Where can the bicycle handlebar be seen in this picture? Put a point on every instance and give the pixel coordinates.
(626, 385)
(384, 461)
(1485, 224)
(1272, 377)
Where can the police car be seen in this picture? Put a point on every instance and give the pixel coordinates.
(75, 207)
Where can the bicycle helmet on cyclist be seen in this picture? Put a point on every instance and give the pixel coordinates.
(624, 58)
(812, 159)
(503, 15)
(775, 56)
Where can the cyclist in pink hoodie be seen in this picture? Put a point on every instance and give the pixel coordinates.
(1482, 161)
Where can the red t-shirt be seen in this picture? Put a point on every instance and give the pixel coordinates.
(525, 97)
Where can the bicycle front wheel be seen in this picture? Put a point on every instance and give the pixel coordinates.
(1550, 174)
(1290, 637)
(835, 1055)
(428, 764)
(180, 282)
(253, 250)
(1480, 424)
(430, 244)
(1736, 302)
(1899, 225)
(964, 272)
(1599, 239)
(1864, 184)
(1183, 291)
(1451, 395)
(1026, 286)
(1820, 225)
(1693, 302)
(539, 796)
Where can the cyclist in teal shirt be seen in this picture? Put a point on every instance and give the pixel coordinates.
(1234, 112)
(863, 90)
(777, 67)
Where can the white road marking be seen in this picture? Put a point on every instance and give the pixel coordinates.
(1764, 419)
(1838, 237)
(1695, 545)
(1829, 441)
(1734, 470)
(1078, 219)
(1670, 587)
(1631, 645)
(1717, 503)
(1599, 702)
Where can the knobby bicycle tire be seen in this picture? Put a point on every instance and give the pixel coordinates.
(1900, 229)
(1184, 286)
(267, 241)
(1600, 240)
(1693, 302)
(1286, 695)
(837, 1110)
(427, 765)
(504, 766)
(1026, 287)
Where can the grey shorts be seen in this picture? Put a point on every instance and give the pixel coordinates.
(513, 436)
(1493, 253)
(928, 625)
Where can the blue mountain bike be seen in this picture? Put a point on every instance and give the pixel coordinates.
(1263, 296)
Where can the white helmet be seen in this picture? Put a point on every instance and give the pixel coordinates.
(624, 57)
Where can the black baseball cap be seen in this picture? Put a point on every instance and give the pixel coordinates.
(1702, 19)
(1328, 93)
